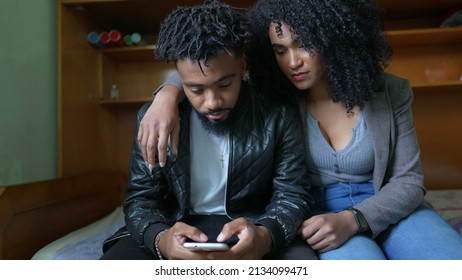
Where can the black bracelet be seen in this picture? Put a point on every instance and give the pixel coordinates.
(360, 219)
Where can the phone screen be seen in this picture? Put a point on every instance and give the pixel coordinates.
(211, 225)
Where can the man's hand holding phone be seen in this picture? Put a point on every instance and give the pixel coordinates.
(238, 239)
(171, 242)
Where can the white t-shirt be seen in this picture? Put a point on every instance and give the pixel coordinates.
(209, 171)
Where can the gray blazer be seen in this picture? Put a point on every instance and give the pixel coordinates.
(397, 177)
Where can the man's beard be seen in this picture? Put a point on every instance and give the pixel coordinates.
(217, 128)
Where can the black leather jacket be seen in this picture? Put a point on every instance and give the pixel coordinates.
(267, 181)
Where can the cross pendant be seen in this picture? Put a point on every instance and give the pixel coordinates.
(222, 161)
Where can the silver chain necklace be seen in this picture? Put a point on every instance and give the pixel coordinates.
(222, 153)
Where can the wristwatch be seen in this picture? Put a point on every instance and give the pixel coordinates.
(360, 220)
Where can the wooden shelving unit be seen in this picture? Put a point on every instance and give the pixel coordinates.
(431, 58)
(96, 132)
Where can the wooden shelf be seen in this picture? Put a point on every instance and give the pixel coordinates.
(413, 5)
(90, 1)
(134, 54)
(401, 38)
(422, 37)
(415, 14)
(441, 87)
(416, 8)
(123, 102)
(128, 16)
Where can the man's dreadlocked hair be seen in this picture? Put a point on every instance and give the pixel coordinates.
(347, 34)
(201, 32)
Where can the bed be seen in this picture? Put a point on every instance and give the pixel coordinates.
(33, 215)
(69, 218)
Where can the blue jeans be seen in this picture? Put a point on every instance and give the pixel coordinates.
(423, 235)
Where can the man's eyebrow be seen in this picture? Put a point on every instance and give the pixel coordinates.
(225, 77)
(191, 84)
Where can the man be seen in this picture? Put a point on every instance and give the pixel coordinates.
(239, 166)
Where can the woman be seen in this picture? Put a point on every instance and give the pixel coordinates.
(362, 151)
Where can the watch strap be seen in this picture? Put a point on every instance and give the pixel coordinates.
(360, 219)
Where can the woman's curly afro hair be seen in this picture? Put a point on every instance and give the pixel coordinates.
(348, 35)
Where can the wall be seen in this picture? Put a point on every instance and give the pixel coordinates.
(28, 98)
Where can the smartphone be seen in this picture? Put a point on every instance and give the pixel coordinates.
(203, 246)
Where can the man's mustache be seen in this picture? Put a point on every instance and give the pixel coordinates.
(209, 112)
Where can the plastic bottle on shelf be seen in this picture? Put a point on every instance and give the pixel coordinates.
(105, 39)
(114, 92)
(137, 39)
(93, 38)
(116, 38)
(128, 40)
